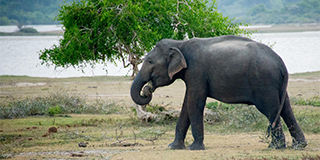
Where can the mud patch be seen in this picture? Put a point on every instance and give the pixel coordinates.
(305, 80)
(26, 84)
(86, 153)
(22, 84)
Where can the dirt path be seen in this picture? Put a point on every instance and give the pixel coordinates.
(218, 146)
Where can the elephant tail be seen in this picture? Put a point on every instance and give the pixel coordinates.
(283, 94)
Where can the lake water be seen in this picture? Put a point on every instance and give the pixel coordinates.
(19, 55)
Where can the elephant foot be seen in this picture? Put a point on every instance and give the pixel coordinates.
(277, 145)
(176, 145)
(195, 146)
(298, 145)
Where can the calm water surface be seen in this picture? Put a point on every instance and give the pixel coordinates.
(19, 55)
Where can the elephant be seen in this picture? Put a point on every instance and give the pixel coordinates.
(231, 69)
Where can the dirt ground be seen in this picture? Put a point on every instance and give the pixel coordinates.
(218, 146)
(304, 85)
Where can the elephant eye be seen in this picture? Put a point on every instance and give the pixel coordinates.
(149, 61)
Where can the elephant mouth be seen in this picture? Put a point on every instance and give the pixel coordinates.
(148, 89)
(141, 91)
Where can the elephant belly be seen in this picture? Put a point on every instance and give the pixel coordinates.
(235, 94)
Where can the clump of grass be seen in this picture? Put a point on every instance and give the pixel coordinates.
(56, 103)
(155, 109)
(247, 118)
(54, 110)
(239, 117)
(314, 101)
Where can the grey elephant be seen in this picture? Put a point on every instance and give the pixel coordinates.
(231, 69)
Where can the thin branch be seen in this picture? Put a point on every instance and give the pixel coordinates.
(134, 138)
(177, 15)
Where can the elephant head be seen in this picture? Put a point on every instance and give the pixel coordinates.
(159, 67)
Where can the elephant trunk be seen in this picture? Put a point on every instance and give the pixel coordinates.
(135, 91)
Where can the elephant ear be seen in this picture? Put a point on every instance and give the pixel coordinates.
(177, 62)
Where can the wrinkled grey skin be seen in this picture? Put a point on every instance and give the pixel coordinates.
(230, 69)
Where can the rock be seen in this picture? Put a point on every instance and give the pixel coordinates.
(52, 130)
(82, 144)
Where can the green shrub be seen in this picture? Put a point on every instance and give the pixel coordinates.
(236, 117)
(28, 30)
(217, 105)
(314, 101)
(56, 103)
(155, 109)
(247, 118)
(54, 110)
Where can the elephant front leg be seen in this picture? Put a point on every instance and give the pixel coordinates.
(197, 128)
(196, 104)
(181, 128)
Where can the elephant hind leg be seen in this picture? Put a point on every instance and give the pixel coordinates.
(277, 136)
(298, 139)
(269, 105)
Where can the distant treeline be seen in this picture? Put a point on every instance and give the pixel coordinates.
(25, 12)
(271, 11)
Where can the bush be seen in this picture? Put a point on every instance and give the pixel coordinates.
(54, 110)
(56, 103)
(314, 101)
(247, 118)
(236, 117)
(28, 30)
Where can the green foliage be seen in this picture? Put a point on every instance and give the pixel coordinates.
(28, 30)
(238, 117)
(217, 105)
(155, 109)
(110, 30)
(4, 21)
(56, 103)
(314, 101)
(54, 110)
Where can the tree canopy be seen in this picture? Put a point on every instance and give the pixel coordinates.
(97, 31)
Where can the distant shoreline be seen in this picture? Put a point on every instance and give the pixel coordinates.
(284, 28)
(258, 28)
(47, 33)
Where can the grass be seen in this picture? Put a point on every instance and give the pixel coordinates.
(27, 133)
(106, 124)
(9, 79)
(246, 118)
(56, 103)
(112, 131)
(238, 117)
(306, 75)
(314, 101)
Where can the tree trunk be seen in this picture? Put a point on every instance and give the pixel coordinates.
(135, 69)
(134, 61)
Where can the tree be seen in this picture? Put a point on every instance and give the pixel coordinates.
(97, 31)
